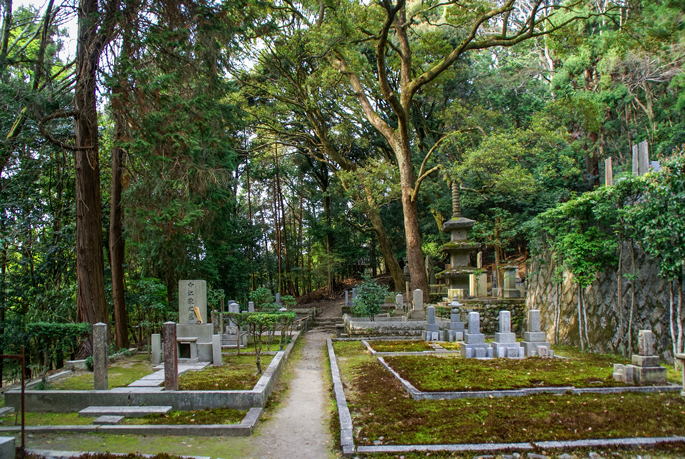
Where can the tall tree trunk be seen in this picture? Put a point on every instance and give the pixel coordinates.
(116, 240)
(91, 302)
(619, 275)
(580, 321)
(632, 300)
(671, 318)
(412, 231)
(385, 247)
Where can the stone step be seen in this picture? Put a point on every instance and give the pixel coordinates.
(126, 411)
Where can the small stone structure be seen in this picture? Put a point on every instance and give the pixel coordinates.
(193, 333)
(475, 346)
(645, 368)
(100, 356)
(505, 345)
(456, 331)
(399, 301)
(510, 290)
(418, 312)
(432, 328)
(534, 340)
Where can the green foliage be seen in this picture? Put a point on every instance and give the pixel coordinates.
(289, 301)
(261, 297)
(370, 297)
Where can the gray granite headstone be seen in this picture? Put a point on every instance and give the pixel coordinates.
(534, 320)
(250, 306)
(636, 161)
(346, 298)
(474, 323)
(399, 301)
(504, 322)
(278, 298)
(192, 294)
(234, 307)
(216, 350)
(170, 356)
(643, 157)
(156, 348)
(100, 356)
(418, 300)
(646, 342)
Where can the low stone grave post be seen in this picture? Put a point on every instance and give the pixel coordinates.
(432, 328)
(399, 301)
(250, 306)
(170, 356)
(418, 311)
(156, 348)
(216, 350)
(346, 298)
(100, 356)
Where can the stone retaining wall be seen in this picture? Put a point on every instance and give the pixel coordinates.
(489, 309)
(603, 315)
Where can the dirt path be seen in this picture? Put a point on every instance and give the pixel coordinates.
(299, 429)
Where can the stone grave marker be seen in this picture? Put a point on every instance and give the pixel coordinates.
(250, 306)
(192, 294)
(432, 332)
(156, 348)
(100, 356)
(534, 339)
(399, 301)
(505, 345)
(418, 311)
(216, 350)
(456, 331)
(170, 356)
(475, 346)
(645, 368)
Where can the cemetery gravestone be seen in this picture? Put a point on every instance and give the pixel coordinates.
(432, 332)
(505, 345)
(418, 311)
(645, 368)
(216, 350)
(399, 301)
(250, 306)
(510, 290)
(347, 302)
(170, 356)
(456, 331)
(534, 339)
(475, 346)
(192, 294)
(156, 348)
(194, 337)
(100, 356)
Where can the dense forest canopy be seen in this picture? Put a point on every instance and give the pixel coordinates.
(292, 145)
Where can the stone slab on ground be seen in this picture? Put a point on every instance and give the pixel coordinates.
(108, 420)
(6, 410)
(126, 411)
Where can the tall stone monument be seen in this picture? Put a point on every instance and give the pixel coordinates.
(459, 249)
(193, 333)
(505, 345)
(100, 356)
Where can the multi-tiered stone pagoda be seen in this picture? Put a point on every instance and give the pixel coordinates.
(459, 248)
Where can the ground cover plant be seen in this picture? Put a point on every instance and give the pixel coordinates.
(399, 346)
(119, 374)
(453, 373)
(196, 417)
(237, 373)
(112, 456)
(381, 408)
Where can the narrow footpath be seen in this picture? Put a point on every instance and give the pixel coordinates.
(299, 429)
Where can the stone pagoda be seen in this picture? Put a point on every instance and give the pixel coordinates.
(459, 249)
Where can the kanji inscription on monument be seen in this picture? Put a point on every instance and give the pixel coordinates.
(192, 295)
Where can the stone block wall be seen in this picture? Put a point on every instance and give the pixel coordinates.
(651, 310)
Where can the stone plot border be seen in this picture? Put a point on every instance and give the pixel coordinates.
(51, 454)
(417, 394)
(433, 352)
(346, 433)
(187, 400)
(244, 429)
(544, 445)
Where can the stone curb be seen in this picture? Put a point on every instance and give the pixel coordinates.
(521, 446)
(46, 400)
(346, 433)
(51, 454)
(244, 429)
(417, 394)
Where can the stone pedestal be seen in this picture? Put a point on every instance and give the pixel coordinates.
(100, 356)
(156, 348)
(645, 369)
(170, 356)
(505, 345)
(534, 342)
(475, 346)
(478, 285)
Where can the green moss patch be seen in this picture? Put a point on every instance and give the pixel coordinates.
(239, 372)
(47, 419)
(113, 456)
(120, 374)
(381, 408)
(433, 373)
(399, 346)
(197, 417)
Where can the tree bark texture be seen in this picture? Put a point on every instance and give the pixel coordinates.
(89, 258)
(117, 243)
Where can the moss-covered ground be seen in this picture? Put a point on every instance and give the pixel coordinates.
(196, 417)
(399, 346)
(111, 456)
(381, 408)
(120, 374)
(239, 372)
